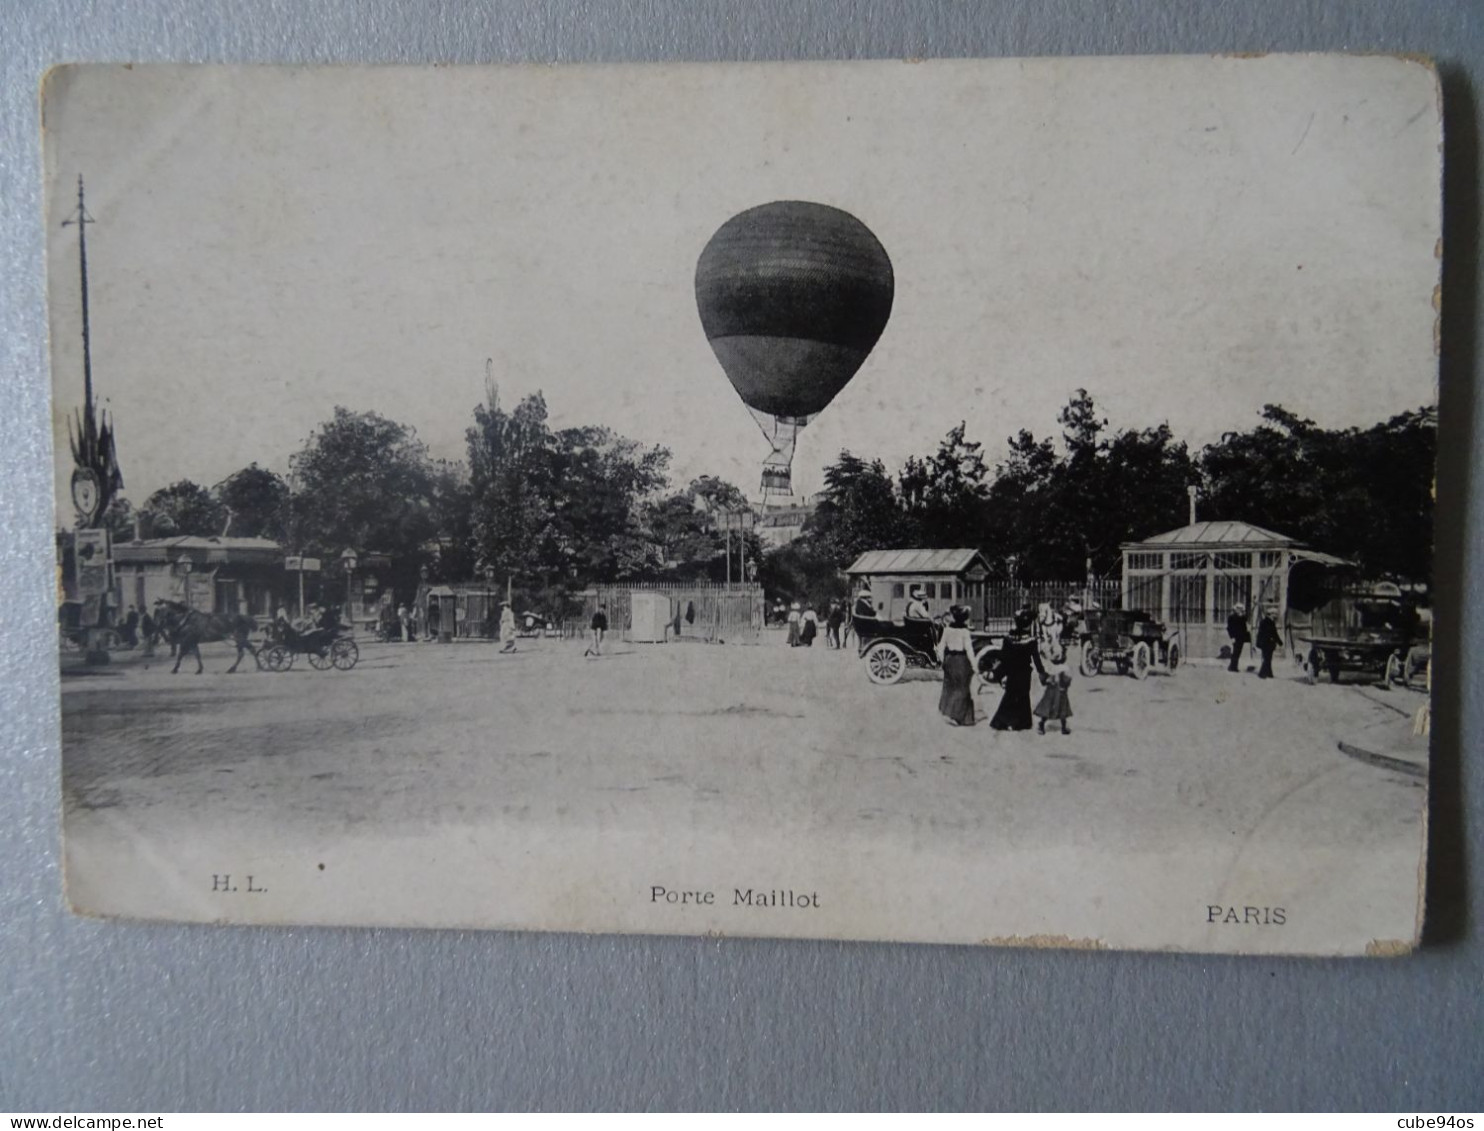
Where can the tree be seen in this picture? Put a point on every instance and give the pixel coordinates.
(1048, 512)
(364, 483)
(184, 508)
(119, 518)
(860, 511)
(687, 526)
(1363, 494)
(559, 506)
(944, 494)
(256, 501)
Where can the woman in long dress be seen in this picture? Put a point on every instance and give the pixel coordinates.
(1017, 656)
(956, 651)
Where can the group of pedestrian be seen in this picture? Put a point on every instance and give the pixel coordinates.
(803, 625)
(1020, 655)
(1267, 642)
(804, 622)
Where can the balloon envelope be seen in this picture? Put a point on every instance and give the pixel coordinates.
(793, 296)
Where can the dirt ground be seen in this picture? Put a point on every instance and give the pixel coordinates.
(457, 785)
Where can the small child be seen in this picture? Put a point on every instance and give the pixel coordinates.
(1055, 702)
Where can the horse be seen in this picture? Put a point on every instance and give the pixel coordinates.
(187, 628)
(1050, 631)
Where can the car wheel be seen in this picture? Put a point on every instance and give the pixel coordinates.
(885, 663)
(1173, 658)
(1092, 660)
(1140, 664)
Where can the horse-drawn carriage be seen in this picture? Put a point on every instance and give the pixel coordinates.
(326, 648)
(889, 648)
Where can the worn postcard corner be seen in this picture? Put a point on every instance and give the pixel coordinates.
(981, 502)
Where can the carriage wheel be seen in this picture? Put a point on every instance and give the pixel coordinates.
(1140, 663)
(1173, 658)
(320, 661)
(277, 658)
(1396, 670)
(1092, 660)
(344, 654)
(885, 663)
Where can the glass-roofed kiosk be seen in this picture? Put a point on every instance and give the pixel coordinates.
(1190, 578)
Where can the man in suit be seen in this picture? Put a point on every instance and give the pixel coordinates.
(1236, 629)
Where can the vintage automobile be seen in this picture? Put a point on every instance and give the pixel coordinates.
(889, 648)
(1131, 640)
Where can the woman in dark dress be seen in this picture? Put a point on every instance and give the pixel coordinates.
(1018, 655)
(956, 650)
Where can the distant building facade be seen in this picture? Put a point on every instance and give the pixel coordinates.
(779, 525)
(214, 575)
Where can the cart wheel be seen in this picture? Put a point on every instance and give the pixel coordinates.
(1414, 672)
(1140, 664)
(885, 663)
(1172, 658)
(1092, 660)
(277, 658)
(344, 654)
(1396, 670)
(320, 661)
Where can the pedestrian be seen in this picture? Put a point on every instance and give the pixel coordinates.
(917, 607)
(1018, 655)
(1055, 702)
(1236, 629)
(1267, 641)
(507, 627)
(808, 626)
(956, 654)
(434, 618)
(404, 618)
(834, 622)
(149, 632)
(793, 624)
(599, 630)
(131, 628)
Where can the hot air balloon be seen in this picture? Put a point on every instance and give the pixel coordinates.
(793, 296)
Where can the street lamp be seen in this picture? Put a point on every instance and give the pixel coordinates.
(186, 565)
(489, 598)
(348, 560)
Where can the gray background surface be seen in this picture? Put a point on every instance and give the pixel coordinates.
(99, 1016)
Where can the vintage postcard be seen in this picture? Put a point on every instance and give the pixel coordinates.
(964, 501)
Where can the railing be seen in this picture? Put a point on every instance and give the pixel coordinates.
(710, 611)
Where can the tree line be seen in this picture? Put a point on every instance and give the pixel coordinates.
(1058, 506)
(560, 509)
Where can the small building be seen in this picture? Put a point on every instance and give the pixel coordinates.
(947, 577)
(214, 575)
(1191, 577)
(779, 525)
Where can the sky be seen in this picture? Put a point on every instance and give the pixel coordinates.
(1186, 238)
